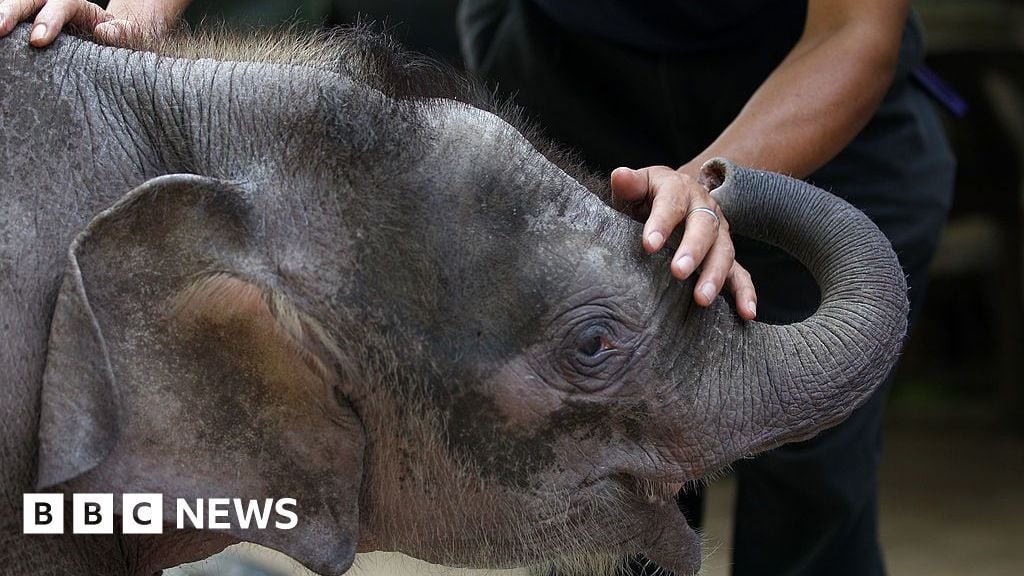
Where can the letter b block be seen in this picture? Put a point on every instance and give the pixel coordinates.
(92, 513)
(43, 514)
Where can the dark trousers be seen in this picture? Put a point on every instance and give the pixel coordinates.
(809, 508)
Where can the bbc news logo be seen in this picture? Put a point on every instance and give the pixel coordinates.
(144, 513)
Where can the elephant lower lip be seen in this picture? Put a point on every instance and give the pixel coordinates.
(668, 539)
(671, 542)
(679, 552)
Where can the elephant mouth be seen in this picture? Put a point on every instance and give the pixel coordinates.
(664, 536)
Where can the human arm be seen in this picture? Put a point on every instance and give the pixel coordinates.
(807, 110)
(121, 21)
(822, 94)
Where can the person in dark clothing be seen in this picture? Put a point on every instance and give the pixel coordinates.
(819, 89)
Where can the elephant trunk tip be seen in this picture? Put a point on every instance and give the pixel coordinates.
(713, 172)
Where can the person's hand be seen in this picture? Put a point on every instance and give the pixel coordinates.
(51, 18)
(673, 197)
(121, 22)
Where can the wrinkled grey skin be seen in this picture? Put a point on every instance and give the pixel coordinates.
(487, 370)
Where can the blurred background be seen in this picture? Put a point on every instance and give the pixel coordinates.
(953, 472)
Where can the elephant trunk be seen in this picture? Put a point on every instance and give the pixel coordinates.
(789, 382)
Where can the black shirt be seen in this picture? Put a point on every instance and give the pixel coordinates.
(678, 26)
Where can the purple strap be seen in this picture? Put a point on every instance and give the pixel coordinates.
(937, 88)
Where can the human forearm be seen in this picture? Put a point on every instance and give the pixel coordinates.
(816, 100)
(811, 106)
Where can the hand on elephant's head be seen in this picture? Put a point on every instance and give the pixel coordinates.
(121, 23)
(666, 199)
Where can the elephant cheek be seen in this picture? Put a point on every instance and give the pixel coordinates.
(522, 397)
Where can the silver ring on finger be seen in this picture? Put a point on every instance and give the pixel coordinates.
(708, 211)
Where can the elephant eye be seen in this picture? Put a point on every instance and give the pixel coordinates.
(593, 342)
(592, 346)
(594, 350)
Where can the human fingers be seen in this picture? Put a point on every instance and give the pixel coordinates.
(702, 223)
(55, 14)
(668, 192)
(715, 267)
(14, 11)
(630, 185)
(700, 235)
(629, 193)
(52, 16)
(117, 32)
(740, 284)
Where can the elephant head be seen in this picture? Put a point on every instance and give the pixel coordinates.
(469, 360)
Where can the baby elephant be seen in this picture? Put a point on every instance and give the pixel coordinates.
(316, 270)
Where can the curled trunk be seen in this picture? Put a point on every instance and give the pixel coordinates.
(790, 382)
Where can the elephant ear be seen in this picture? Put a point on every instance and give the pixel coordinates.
(175, 366)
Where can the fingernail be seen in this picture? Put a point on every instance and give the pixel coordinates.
(707, 290)
(655, 240)
(752, 306)
(38, 32)
(685, 264)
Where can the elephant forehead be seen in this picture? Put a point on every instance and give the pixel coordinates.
(486, 150)
(461, 122)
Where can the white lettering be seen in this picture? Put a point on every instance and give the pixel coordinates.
(194, 516)
(142, 514)
(43, 514)
(252, 510)
(282, 510)
(92, 513)
(218, 508)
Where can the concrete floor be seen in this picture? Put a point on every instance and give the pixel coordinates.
(952, 505)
